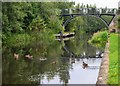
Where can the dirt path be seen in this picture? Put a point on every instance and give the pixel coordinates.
(104, 68)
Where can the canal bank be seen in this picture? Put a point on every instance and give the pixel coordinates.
(104, 68)
(111, 76)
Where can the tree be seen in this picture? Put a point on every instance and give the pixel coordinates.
(37, 24)
(12, 17)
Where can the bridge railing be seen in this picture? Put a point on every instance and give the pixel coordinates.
(90, 11)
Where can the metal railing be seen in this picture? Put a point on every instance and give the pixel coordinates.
(90, 11)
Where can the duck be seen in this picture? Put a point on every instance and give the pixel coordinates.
(29, 56)
(16, 56)
(85, 65)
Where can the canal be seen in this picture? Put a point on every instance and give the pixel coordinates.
(56, 62)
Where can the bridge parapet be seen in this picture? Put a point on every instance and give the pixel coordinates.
(90, 11)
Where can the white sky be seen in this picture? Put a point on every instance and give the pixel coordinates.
(100, 3)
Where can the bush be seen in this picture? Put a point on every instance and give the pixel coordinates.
(99, 38)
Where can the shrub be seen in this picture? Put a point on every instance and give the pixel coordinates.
(99, 38)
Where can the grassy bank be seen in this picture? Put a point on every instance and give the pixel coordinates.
(113, 58)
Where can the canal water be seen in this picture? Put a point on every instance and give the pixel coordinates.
(76, 74)
(56, 62)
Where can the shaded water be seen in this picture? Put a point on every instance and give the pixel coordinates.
(52, 63)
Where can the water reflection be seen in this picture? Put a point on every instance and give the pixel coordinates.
(52, 63)
(76, 74)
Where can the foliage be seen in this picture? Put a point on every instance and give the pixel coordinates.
(113, 64)
(37, 24)
(13, 16)
(20, 18)
(55, 24)
(99, 38)
(89, 23)
(107, 18)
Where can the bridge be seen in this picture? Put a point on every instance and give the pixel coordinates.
(95, 12)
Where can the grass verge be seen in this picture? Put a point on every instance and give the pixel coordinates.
(113, 60)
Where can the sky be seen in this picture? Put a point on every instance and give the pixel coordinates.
(100, 3)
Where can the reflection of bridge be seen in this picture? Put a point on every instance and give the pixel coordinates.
(96, 12)
(73, 55)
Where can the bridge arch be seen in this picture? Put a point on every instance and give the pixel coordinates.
(72, 17)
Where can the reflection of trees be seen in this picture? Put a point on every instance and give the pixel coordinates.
(64, 73)
(79, 45)
(20, 71)
(14, 72)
